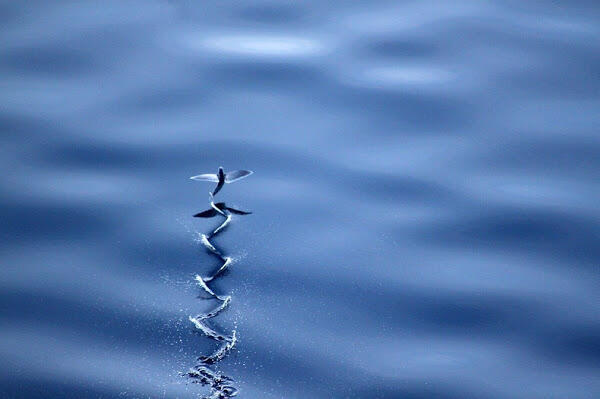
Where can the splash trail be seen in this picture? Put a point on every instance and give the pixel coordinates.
(221, 386)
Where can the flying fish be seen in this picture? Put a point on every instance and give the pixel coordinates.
(221, 177)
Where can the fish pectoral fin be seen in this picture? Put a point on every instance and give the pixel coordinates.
(206, 177)
(235, 175)
(237, 211)
(209, 213)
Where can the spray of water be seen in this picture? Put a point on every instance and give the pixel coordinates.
(221, 386)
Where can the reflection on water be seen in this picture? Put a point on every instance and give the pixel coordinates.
(425, 221)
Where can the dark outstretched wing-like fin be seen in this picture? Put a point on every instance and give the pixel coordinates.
(237, 211)
(209, 213)
(236, 175)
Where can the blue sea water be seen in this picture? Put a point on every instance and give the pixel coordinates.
(426, 218)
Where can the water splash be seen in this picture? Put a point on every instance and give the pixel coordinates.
(221, 385)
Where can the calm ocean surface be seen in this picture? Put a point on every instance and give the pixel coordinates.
(426, 197)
